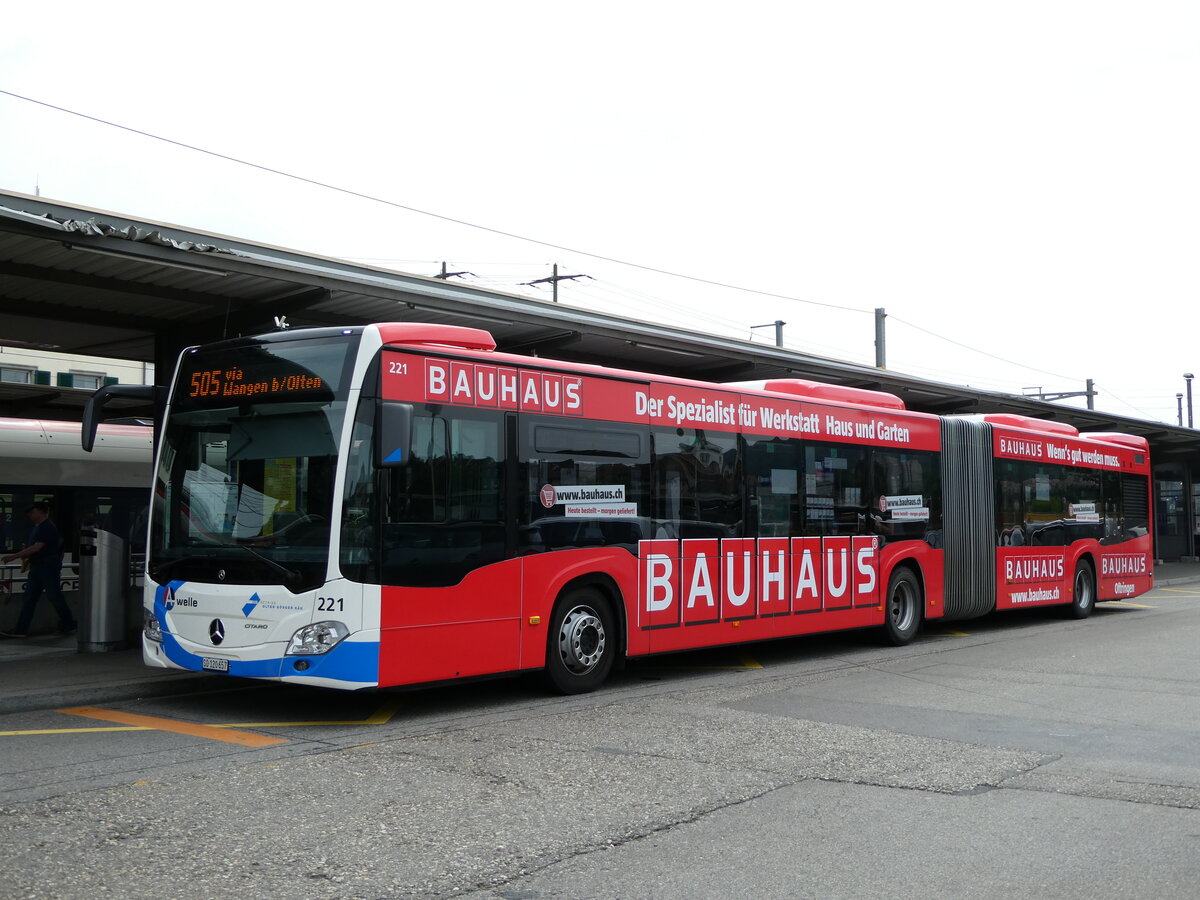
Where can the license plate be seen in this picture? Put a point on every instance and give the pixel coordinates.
(214, 664)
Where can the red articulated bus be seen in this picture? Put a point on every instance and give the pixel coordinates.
(400, 504)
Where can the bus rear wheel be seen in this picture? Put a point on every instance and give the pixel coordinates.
(582, 643)
(1083, 591)
(902, 608)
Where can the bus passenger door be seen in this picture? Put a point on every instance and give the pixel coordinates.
(450, 602)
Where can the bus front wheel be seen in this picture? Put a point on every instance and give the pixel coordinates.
(582, 643)
(1083, 591)
(902, 608)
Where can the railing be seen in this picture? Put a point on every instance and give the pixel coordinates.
(10, 574)
(13, 577)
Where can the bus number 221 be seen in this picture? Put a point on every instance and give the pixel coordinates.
(331, 604)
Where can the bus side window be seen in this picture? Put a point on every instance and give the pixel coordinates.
(699, 491)
(1009, 505)
(360, 516)
(836, 489)
(562, 455)
(1135, 506)
(774, 474)
(419, 489)
(905, 497)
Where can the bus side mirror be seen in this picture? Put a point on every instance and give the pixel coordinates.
(93, 410)
(393, 434)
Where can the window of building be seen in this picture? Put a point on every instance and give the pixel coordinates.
(87, 381)
(16, 375)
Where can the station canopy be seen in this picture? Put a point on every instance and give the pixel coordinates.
(86, 281)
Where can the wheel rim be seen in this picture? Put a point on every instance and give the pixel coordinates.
(581, 640)
(902, 607)
(1083, 589)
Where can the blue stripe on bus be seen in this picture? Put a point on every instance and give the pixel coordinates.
(348, 661)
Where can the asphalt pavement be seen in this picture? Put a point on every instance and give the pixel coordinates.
(46, 671)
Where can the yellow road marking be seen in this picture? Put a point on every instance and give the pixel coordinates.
(947, 634)
(75, 730)
(381, 716)
(193, 729)
(1126, 603)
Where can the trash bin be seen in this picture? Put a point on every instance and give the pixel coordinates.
(103, 584)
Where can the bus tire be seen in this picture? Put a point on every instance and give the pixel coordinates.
(903, 606)
(582, 642)
(1083, 591)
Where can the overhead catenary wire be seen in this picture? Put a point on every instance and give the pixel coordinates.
(630, 300)
(982, 352)
(639, 300)
(596, 289)
(444, 218)
(511, 235)
(738, 328)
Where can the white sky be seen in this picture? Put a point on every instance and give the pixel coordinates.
(1018, 184)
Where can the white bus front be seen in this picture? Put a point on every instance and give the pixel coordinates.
(240, 575)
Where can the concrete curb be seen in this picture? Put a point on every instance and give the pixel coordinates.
(1174, 582)
(89, 695)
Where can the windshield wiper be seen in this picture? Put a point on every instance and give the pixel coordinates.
(291, 577)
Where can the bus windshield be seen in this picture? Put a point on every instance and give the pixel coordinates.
(244, 490)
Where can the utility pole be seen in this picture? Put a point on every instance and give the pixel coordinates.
(554, 280)
(1188, 376)
(1090, 393)
(1179, 408)
(444, 274)
(880, 339)
(778, 323)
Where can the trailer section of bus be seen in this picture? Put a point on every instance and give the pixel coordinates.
(1072, 516)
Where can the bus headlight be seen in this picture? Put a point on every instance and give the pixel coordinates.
(317, 638)
(150, 627)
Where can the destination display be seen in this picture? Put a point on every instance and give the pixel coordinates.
(311, 370)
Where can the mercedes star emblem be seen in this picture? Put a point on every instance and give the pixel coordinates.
(216, 631)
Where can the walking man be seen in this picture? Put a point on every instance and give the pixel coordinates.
(44, 552)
